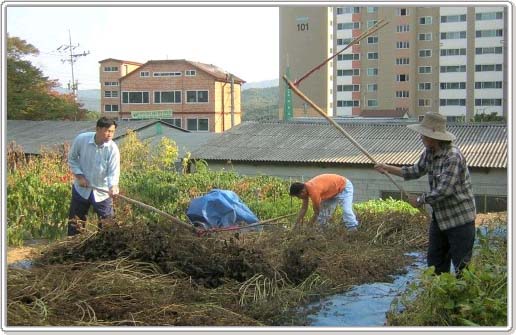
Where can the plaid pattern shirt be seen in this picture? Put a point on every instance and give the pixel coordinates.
(450, 196)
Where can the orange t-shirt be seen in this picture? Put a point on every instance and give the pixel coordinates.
(324, 186)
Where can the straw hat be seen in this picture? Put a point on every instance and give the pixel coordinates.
(433, 126)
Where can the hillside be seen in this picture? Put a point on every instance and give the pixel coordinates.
(260, 104)
(89, 98)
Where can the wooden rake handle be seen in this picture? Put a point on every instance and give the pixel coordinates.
(336, 125)
(153, 209)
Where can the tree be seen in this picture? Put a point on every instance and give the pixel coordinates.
(29, 92)
(483, 117)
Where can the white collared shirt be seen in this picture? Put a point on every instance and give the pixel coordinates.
(100, 164)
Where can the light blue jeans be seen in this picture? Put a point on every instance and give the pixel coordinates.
(345, 199)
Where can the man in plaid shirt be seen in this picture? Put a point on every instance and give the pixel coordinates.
(452, 229)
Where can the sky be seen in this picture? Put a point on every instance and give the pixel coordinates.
(241, 40)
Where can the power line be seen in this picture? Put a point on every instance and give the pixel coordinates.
(71, 58)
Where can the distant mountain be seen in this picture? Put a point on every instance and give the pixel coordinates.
(260, 104)
(260, 84)
(89, 98)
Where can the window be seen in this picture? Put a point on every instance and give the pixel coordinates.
(402, 11)
(402, 94)
(166, 74)
(196, 96)
(453, 35)
(144, 74)
(110, 94)
(453, 18)
(348, 25)
(488, 84)
(485, 51)
(488, 67)
(111, 83)
(111, 108)
(372, 40)
(348, 88)
(402, 77)
(488, 102)
(452, 102)
(197, 124)
(350, 72)
(372, 71)
(489, 33)
(110, 68)
(425, 20)
(453, 52)
(424, 86)
(348, 10)
(348, 103)
(425, 37)
(402, 61)
(403, 28)
(372, 55)
(453, 86)
(371, 23)
(372, 87)
(424, 102)
(372, 10)
(372, 103)
(135, 97)
(425, 69)
(489, 16)
(453, 68)
(348, 57)
(402, 45)
(344, 41)
(167, 97)
(190, 73)
(425, 53)
(175, 122)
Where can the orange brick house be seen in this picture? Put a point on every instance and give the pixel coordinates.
(190, 95)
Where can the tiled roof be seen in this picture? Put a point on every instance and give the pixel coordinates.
(383, 113)
(210, 69)
(483, 145)
(120, 61)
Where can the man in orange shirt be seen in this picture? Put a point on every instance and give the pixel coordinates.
(325, 191)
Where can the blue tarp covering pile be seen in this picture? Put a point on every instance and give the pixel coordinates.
(220, 208)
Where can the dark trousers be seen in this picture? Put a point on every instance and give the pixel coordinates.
(79, 208)
(451, 245)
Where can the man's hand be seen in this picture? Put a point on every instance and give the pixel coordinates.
(380, 167)
(412, 199)
(82, 180)
(113, 190)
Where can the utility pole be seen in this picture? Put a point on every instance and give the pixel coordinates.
(72, 58)
(232, 100)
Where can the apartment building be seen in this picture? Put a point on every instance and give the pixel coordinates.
(191, 95)
(447, 59)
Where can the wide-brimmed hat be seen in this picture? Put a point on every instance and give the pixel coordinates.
(433, 126)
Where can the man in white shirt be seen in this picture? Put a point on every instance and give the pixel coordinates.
(94, 160)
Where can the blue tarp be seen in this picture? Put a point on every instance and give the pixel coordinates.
(220, 208)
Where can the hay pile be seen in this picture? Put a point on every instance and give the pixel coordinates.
(150, 273)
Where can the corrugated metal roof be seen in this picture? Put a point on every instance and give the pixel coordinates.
(483, 145)
(31, 135)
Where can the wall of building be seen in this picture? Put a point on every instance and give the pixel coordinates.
(427, 33)
(304, 43)
(367, 182)
(223, 106)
